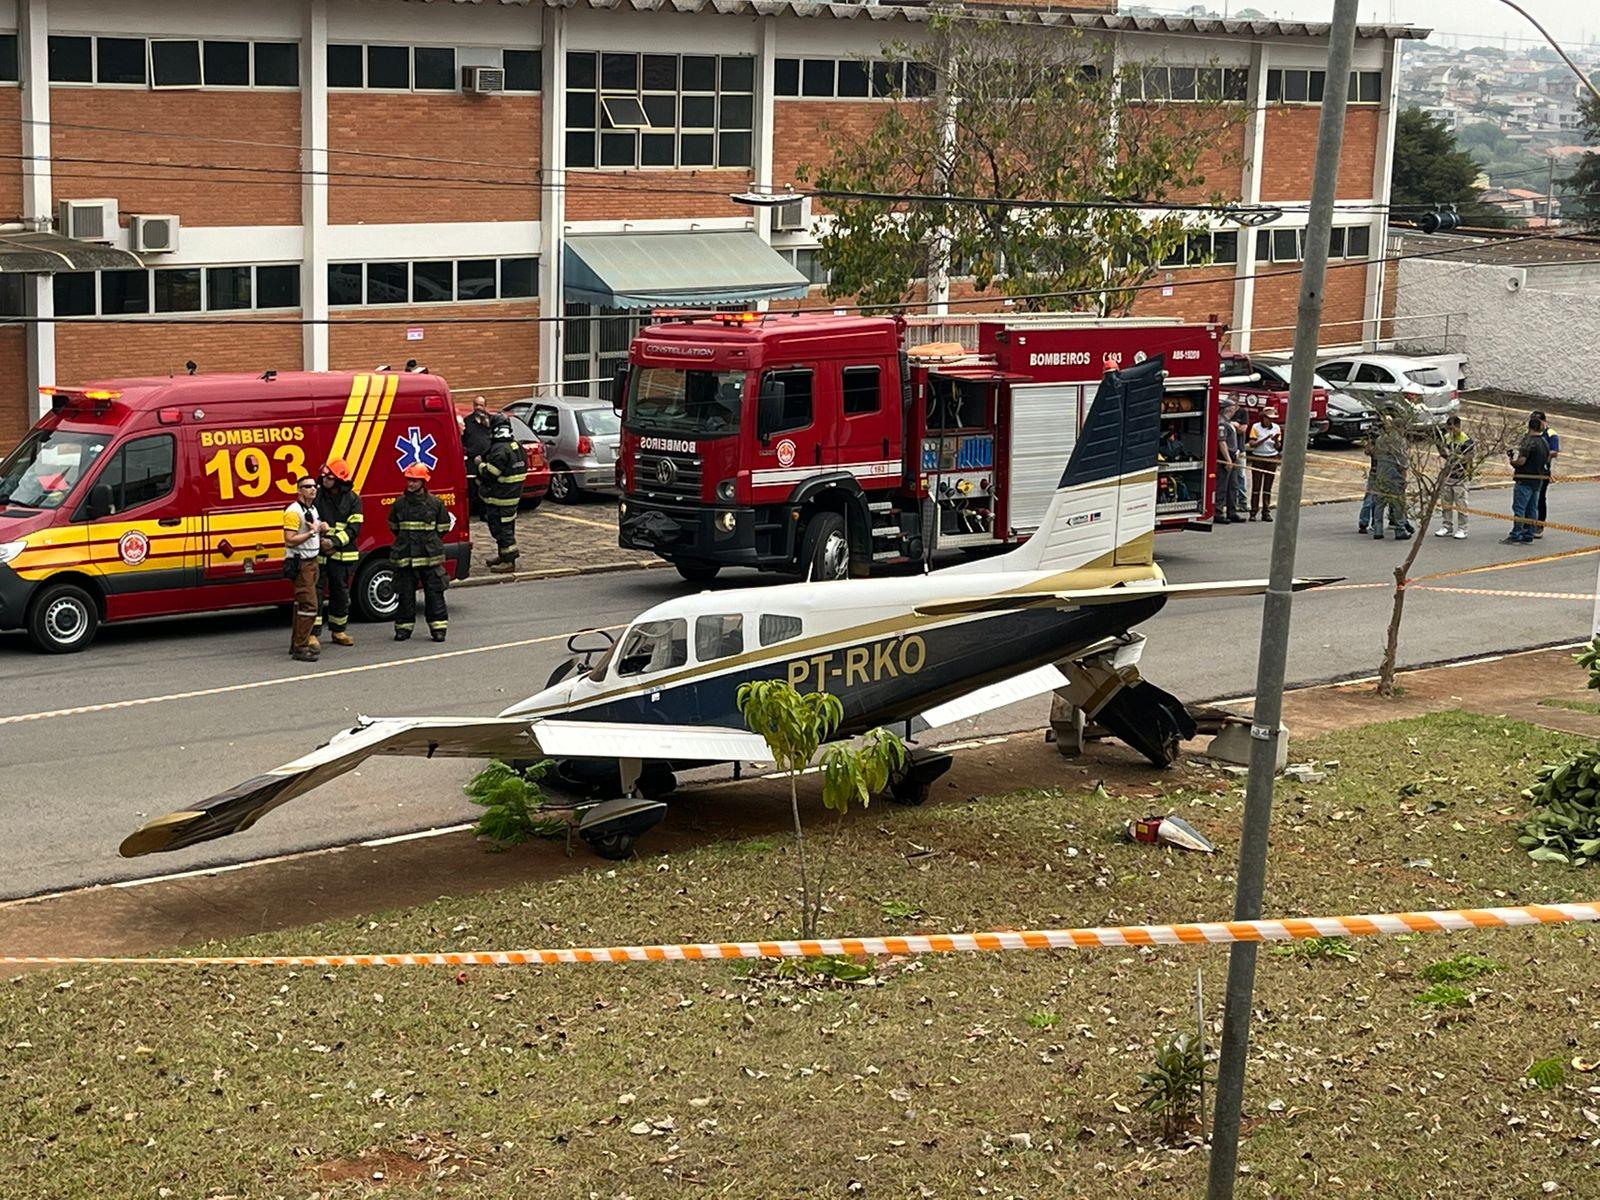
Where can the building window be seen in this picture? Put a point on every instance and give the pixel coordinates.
(277, 64)
(8, 58)
(432, 281)
(174, 63)
(1288, 245)
(167, 62)
(659, 110)
(227, 64)
(850, 79)
(71, 59)
(1294, 85)
(393, 68)
(119, 60)
(138, 292)
(808, 261)
(1163, 84)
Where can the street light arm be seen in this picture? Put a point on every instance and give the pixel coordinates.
(1556, 46)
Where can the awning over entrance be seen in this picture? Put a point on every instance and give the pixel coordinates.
(666, 270)
(26, 253)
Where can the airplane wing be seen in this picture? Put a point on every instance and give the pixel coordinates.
(1016, 601)
(242, 805)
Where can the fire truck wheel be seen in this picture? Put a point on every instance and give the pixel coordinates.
(63, 619)
(697, 572)
(374, 594)
(825, 553)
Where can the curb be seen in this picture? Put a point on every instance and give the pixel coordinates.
(612, 568)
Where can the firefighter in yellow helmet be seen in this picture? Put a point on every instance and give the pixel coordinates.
(340, 509)
(419, 520)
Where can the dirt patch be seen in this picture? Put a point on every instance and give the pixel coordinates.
(424, 1158)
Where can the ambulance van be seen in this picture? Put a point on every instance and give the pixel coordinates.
(154, 497)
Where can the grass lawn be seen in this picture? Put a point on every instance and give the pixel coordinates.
(960, 1076)
(1583, 706)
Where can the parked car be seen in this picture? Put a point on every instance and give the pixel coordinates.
(580, 437)
(1258, 387)
(1418, 391)
(1348, 419)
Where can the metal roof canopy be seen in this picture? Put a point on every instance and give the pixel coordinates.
(29, 253)
(666, 270)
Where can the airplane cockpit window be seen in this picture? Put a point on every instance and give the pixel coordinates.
(652, 646)
(718, 637)
(775, 627)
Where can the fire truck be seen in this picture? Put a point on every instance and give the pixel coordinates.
(827, 446)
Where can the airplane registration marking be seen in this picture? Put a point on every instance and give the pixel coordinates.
(850, 665)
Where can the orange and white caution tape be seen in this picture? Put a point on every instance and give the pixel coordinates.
(1216, 933)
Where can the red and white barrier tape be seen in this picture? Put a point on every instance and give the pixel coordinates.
(1205, 934)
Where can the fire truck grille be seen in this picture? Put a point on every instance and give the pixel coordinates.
(667, 475)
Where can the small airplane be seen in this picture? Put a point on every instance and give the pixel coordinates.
(1055, 614)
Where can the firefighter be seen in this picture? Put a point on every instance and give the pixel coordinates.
(340, 509)
(419, 521)
(500, 488)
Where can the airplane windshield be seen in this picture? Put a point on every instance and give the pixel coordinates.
(668, 401)
(652, 646)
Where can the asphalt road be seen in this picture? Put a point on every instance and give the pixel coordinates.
(199, 704)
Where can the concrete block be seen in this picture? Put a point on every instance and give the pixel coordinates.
(1066, 722)
(1232, 745)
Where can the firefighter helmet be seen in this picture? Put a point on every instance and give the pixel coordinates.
(500, 428)
(417, 471)
(338, 468)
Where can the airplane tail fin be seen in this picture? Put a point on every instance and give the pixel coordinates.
(1104, 509)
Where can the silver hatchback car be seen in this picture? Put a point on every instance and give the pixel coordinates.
(1415, 388)
(580, 437)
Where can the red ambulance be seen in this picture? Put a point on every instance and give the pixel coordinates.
(153, 497)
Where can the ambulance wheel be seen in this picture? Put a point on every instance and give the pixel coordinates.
(697, 572)
(63, 619)
(374, 591)
(825, 552)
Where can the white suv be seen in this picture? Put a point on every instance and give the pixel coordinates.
(1417, 389)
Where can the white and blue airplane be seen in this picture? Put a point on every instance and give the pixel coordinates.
(1056, 613)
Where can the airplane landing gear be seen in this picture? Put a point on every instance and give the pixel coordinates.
(913, 783)
(612, 828)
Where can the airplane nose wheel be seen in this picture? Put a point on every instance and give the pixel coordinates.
(612, 828)
(913, 783)
(615, 846)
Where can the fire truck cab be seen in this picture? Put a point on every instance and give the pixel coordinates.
(823, 445)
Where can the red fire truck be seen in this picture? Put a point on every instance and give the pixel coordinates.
(824, 445)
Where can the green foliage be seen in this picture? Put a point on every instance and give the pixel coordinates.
(894, 910)
(1459, 968)
(839, 967)
(794, 726)
(1014, 117)
(1317, 949)
(1043, 1020)
(1564, 826)
(1583, 185)
(1445, 995)
(1548, 1073)
(1429, 168)
(512, 803)
(1170, 1090)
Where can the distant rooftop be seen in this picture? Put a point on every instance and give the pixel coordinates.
(1504, 249)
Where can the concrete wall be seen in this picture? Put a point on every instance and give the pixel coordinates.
(1535, 339)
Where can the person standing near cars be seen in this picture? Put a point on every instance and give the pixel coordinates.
(476, 435)
(1530, 468)
(500, 479)
(419, 520)
(1552, 441)
(1390, 454)
(1456, 448)
(1266, 448)
(301, 542)
(1228, 469)
(340, 509)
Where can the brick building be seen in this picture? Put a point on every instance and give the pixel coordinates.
(350, 192)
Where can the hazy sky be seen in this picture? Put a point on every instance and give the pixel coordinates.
(1571, 22)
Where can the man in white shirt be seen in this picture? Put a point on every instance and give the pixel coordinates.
(1265, 449)
(302, 539)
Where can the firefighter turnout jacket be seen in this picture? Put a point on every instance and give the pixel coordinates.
(419, 521)
(341, 509)
(501, 474)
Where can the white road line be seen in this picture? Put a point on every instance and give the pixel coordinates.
(226, 689)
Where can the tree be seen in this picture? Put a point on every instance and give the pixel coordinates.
(1419, 464)
(1012, 115)
(794, 727)
(1584, 182)
(1430, 169)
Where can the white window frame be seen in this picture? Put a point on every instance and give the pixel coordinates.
(150, 44)
(455, 262)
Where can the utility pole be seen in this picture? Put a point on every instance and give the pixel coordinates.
(1550, 193)
(1251, 875)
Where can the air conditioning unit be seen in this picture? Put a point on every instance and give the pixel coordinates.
(794, 217)
(154, 235)
(87, 220)
(483, 81)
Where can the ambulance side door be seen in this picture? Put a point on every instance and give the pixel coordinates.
(141, 534)
(247, 478)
